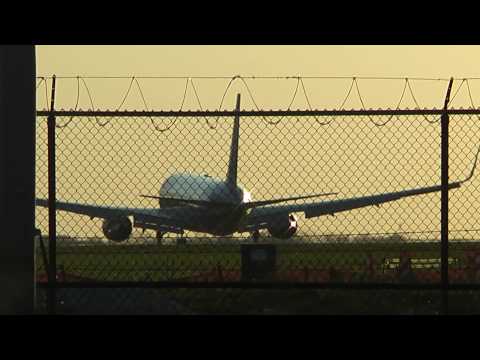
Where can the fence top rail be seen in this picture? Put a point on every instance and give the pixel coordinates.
(252, 77)
(170, 113)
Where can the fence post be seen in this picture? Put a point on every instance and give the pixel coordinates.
(444, 200)
(52, 221)
(17, 179)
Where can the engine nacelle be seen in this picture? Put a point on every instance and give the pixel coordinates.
(284, 227)
(117, 229)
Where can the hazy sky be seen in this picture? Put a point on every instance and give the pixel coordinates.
(419, 61)
(261, 60)
(131, 158)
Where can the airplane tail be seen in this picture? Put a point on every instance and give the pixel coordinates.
(233, 161)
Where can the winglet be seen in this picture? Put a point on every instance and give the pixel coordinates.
(233, 161)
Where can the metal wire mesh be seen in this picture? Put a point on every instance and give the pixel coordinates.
(111, 163)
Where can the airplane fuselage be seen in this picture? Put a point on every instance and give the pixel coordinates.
(219, 220)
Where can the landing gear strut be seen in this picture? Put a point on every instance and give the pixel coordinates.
(159, 237)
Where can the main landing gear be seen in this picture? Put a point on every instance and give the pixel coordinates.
(159, 237)
(181, 240)
(255, 236)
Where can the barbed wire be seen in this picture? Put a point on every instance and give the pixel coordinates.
(363, 104)
(258, 108)
(126, 94)
(341, 105)
(147, 109)
(243, 79)
(418, 106)
(133, 80)
(470, 96)
(58, 126)
(252, 98)
(62, 126)
(91, 103)
(456, 92)
(200, 104)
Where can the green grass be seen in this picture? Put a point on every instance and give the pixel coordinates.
(137, 262)
(167, 262)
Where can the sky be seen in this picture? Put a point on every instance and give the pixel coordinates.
(115, 163)
(322, 60)
(401, 61)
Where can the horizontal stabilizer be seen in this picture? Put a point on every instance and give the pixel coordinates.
(189, 201)
(248, 205)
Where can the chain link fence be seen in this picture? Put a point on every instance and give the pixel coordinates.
(113, 159)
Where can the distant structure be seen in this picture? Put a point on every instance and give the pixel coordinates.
(17, 178)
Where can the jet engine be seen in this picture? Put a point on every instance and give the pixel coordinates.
(284, 227)
(117, 229)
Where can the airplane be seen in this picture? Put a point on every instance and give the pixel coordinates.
(221, 207)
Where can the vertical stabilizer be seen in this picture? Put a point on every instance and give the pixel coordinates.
(233, 162)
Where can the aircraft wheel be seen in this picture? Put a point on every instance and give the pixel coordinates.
(160, 237)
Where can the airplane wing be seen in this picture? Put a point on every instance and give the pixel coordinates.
(172, 216)
(262, 215)
(259, 217)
